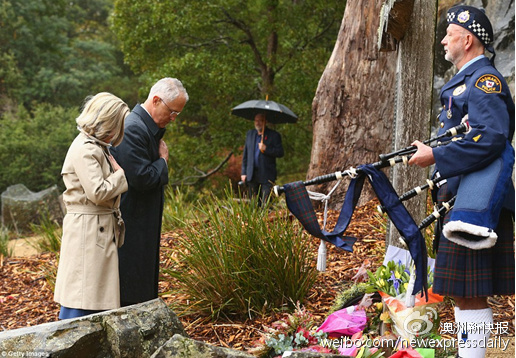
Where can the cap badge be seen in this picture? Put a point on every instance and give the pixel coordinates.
(463, 17)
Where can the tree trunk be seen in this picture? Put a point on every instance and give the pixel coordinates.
(414, 103)
(352, 112)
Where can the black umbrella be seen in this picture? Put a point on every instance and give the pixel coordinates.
(274, 112)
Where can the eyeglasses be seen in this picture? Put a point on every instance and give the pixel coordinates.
(172, 112)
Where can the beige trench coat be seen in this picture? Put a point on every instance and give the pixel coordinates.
(87, 276)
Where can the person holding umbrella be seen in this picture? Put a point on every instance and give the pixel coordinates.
(262, 147)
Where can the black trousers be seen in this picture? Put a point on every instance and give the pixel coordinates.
(262, 190)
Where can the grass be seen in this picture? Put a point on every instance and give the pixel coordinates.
(238, 260)
(50, 232)
(179, 207)
(5, 250)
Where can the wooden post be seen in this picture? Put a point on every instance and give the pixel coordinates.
(413, 105)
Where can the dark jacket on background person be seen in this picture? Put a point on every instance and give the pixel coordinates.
(141, 206)
(266, 161)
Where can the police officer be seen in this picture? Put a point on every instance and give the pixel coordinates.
(479, 93)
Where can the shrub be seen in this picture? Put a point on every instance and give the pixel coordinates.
(50, 232)
(238, 259)
(5, 250)
(179, 206)
(33, 146)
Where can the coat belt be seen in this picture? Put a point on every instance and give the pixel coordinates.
(94, 210)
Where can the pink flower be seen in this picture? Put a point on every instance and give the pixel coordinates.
(352, 352)
(317, 349)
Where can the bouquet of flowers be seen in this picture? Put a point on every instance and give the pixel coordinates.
(296, 332)
(415, 320)
(392, 279)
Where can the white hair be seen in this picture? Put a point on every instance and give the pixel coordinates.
(168, 89)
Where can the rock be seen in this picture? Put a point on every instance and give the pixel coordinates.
(134, 331)
(312, 355)
(22, 207)
(180, 347)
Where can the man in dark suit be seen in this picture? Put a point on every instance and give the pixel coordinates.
(262, 147)
(144, 156)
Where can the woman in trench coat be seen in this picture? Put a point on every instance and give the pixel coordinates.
(87, 277)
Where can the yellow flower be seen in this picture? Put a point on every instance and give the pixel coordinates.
(397, 274)
(384, 317)
(379, 305)
(405, 285)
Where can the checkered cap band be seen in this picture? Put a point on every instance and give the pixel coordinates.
(472, 19)
(480, 32)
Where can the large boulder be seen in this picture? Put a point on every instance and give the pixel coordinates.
(22, 207)
(146, 330)
(180, 347)
(134, 331)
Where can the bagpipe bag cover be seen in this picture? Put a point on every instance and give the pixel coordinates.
(480, 198)
(298, 202)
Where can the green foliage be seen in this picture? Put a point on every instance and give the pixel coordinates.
(55, 52)
(347, 294)
(179, 207)
(5, 250)
(237, 260)
(295, 332)
(50, 232)
(392, 279)
(58, 52)
(226, 52)
(33, 146)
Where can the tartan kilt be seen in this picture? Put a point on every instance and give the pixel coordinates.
(467, 273)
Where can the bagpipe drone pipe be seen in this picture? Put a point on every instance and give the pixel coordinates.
(299, 203)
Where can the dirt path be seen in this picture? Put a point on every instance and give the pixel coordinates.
(24, 247)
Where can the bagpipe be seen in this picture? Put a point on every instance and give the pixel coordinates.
(497, 175)
(386, 160)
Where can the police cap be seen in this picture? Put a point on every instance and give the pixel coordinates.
(472, 19)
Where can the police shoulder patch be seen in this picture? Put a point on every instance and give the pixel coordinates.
(489, 84)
